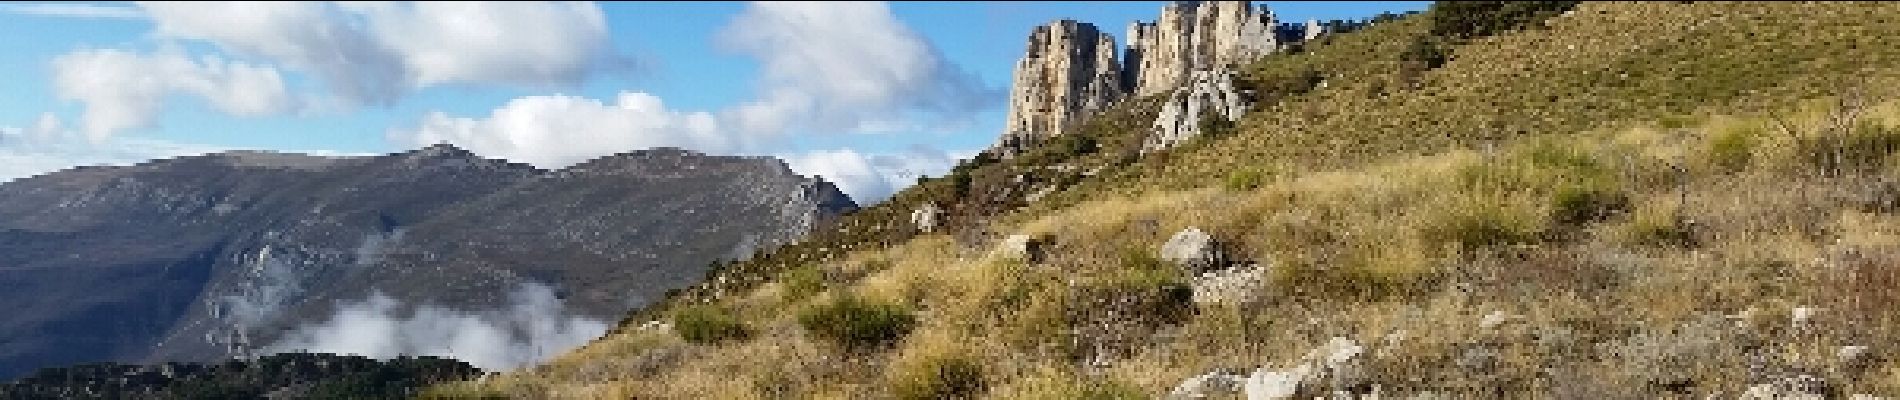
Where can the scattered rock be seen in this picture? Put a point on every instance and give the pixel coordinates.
(1193, 249)
(1237, 286)
(1801, 387)
(1028, 248)
(925, 217)
(1852, 357)
(1496, 319)
(1267, 384)
(1336, 367)
(1210, 385)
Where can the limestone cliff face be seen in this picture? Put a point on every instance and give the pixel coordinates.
(1192, 36)
(1068, 72)
(1190, 54)
(1208, 94)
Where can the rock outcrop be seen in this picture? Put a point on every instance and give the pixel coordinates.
(1210, 94)
(1194, 36)
(1069, 71)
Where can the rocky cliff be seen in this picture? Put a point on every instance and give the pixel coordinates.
(1069, 70)
(1191, 36)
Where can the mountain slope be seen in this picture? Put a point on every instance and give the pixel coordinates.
(199, 258)
(1641, 200)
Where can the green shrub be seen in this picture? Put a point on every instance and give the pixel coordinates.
(1659, 227)
(1482, 223)
(1732, 150)
(1145, 289)
(706, 324)
(858, 323)
(1473, 19)
(952, 376)
(803, 282)
(1583, 203)
(1244, 179)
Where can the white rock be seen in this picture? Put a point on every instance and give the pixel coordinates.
(1494, 319)
(1850, 355)
(1803, 387)
(1205, 91)
(1803, 315)
(1266, 384)
(1024, 247)
(1207, 385)
(925, 217)
(1237, 286)
(1191, 248)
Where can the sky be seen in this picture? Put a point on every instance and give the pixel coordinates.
(868, 95)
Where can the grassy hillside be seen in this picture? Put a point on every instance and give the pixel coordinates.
(1629, 201)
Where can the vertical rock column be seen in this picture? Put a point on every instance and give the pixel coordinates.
(1069, 71)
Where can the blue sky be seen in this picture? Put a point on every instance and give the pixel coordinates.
(866, 94)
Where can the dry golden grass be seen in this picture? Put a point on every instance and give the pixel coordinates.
(1629, 305)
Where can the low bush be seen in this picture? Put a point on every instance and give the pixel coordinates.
(858, 323)
(940, 376)
(706, 324)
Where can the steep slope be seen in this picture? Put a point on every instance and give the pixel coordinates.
(1648, 200)
(199, 258)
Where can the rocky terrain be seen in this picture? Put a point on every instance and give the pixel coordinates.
(205, 257)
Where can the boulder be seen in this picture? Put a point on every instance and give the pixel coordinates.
(1801, 387)
(1338, 366)
(1028, 248)
(1210, 385)
(926, 217)
(1193, 249)
(1236, 286)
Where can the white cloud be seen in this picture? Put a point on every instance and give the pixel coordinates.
(123, 90)
(72, 10)
(377, 52)
(46, 147)
(535, 327)
(826, 67)
(848, 66)
(557, 131)
(871, 178)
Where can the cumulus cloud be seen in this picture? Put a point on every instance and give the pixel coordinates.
(376, 52)
(125, 90)
(871, 178)
(826, 68)
(47, 146)
(72, 10)
(535, 327)
(848, 66)
(557, 131)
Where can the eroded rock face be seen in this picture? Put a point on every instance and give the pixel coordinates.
(1194, 36)
(1210, 94)
(1069, 71)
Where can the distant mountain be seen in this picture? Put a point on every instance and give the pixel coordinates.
(203, 257)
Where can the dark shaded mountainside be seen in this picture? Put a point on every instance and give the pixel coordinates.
(205, 257)
(285, 375)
